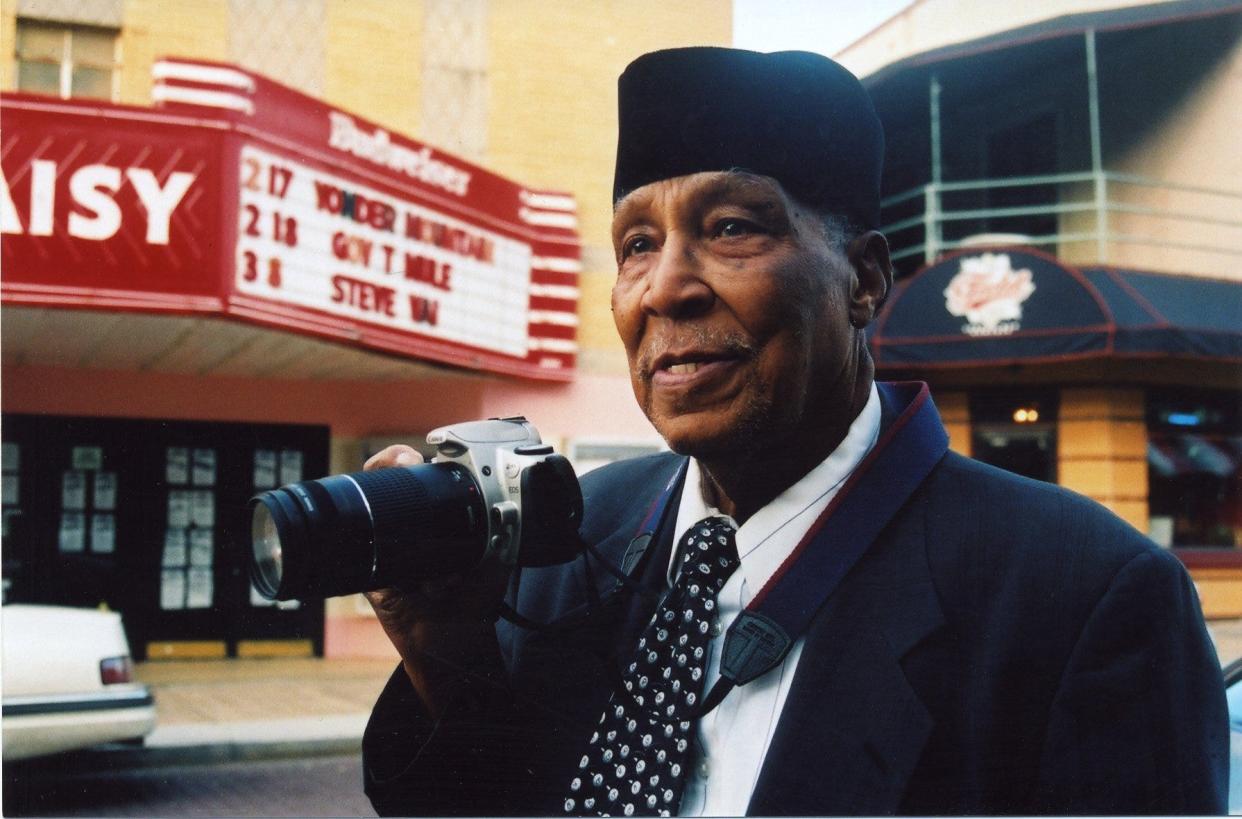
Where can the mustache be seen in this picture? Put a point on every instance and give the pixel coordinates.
(721, 343)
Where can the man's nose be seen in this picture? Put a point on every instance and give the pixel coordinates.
(676, 287)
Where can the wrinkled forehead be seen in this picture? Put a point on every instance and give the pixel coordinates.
(700, 189)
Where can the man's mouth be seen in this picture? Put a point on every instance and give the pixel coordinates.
(687, 368)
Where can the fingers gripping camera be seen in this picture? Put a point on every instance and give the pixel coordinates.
(494, 491)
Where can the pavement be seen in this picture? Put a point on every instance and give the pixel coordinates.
(212, 711)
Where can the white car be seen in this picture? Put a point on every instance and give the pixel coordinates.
(68, 681)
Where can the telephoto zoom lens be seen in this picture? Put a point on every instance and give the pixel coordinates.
(366, 530)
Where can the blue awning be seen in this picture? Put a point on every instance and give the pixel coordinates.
(996, 306)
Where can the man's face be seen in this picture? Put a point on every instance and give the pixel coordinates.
(731, 301)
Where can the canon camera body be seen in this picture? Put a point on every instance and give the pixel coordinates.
(494, 491)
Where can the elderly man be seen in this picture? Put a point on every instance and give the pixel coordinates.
(809, 606)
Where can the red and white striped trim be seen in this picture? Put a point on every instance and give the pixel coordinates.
(553, 310)
(562, 318)
(555, 291)
(549, 201)
(556, 264)
(203, 74)
(199, 96)
(547, 218)
(204, 85)
(548, 209)
(554, 345)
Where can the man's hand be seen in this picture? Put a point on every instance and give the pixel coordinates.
(439, 625)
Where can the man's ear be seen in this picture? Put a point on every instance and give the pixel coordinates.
(873, 276)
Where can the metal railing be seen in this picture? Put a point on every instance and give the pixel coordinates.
(1082, 207)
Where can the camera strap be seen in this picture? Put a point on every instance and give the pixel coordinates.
(903, 456)
(644, 536)
(631, 562)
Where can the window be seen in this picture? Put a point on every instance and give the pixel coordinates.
(1016, 431)
(66, 61)
(1194, 469)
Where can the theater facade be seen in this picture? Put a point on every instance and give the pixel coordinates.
(211, 297)
(246, 242)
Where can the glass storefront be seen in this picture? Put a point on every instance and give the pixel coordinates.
(1194, 468)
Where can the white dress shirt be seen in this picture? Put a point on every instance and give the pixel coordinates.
(733, 739)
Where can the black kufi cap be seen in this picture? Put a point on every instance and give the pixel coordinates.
(795, 116)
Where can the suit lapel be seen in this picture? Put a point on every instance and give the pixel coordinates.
(852, 728)
(653, 574)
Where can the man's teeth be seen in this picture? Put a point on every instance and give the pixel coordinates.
(684, 369)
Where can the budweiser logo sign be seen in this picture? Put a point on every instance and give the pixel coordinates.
(988, 293)
(378, 147)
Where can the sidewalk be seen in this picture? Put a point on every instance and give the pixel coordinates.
(222, 710)
(227, 710)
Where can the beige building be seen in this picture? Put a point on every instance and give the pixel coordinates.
(1063, 193)
(522, 88)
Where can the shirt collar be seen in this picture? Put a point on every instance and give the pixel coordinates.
(769, 535)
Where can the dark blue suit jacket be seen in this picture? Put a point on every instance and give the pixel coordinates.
(1005, 646)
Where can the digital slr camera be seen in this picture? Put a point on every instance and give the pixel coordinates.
(494, 490)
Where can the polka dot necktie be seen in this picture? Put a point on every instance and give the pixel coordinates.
(637, 760)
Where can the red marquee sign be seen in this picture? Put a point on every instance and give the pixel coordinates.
(239, 196)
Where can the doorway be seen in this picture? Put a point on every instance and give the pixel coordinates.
(149, 518)
(1016, 432)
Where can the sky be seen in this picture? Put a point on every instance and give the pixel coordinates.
(825, 26)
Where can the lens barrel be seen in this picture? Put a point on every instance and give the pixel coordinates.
(366, 530)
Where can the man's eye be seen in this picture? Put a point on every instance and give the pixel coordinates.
(732, 228)
(636, 244)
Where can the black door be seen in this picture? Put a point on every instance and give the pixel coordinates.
(149, 518)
